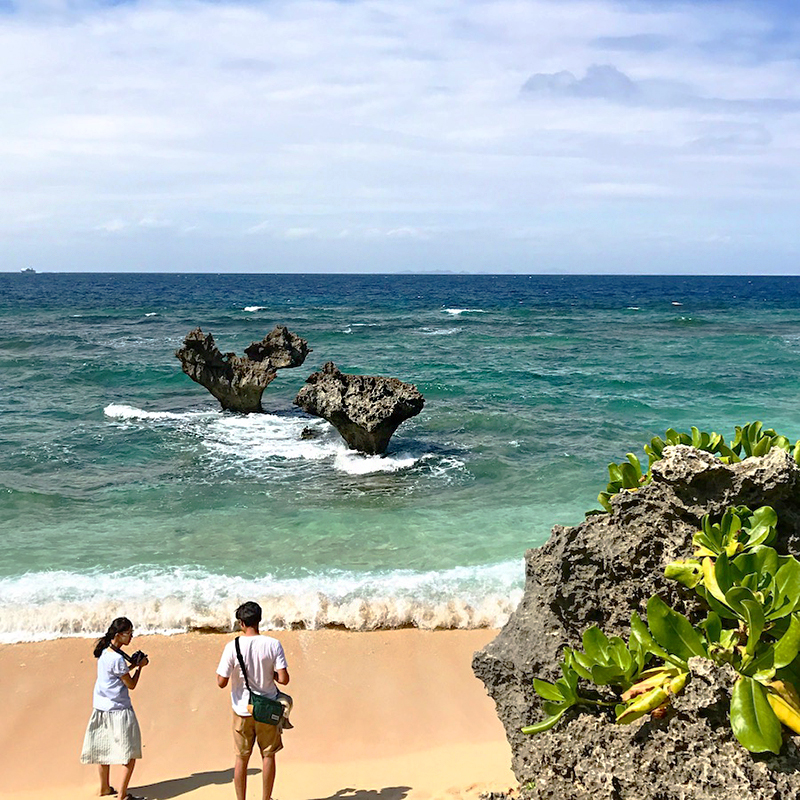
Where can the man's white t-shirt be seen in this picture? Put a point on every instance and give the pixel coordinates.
(110, 693)
(262, 656)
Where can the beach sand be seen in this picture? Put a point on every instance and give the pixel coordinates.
(379, 716)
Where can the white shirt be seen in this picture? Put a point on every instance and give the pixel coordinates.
(262, 656)
(110, 693)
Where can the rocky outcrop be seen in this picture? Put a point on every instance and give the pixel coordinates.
(366, 410)
(598, 573)
(238, 382)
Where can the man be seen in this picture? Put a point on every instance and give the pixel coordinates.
(266, 665)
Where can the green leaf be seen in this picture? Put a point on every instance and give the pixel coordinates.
(547, 691)
(761, 525)
(637, 465)
(614, 472)
(735, 598)
(710, 581)
(619, 654)
(787, 584)
(753, 721)
(630, 480)
(545, 724)
(595, 644)
(760, 560)
(673, 631)
(607, 675)
(580, 663)
(712, 626)
(788, 646)
(687, 573)
(645, 638)
(754, 616)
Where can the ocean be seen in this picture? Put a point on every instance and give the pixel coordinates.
(125, 490)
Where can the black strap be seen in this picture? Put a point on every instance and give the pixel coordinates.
(122, 653)
(241, 663)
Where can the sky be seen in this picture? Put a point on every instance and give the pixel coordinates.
(506, 136)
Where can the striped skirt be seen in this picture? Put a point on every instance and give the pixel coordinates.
(112, 737)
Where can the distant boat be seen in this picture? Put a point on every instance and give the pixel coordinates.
(28, 271)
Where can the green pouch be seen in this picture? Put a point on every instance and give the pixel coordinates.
(265, 710)
(261, 707)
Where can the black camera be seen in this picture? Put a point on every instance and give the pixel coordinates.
(137, 657)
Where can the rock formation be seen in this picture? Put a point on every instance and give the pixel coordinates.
(238, 382)
(598, 573)
(366, 410)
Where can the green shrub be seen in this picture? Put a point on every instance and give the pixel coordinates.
(750, 440)
(753, 624)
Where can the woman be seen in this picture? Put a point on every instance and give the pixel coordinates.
(113, 736)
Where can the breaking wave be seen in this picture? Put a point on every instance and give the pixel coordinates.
(55, 604)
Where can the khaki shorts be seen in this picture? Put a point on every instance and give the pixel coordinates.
(246, 732)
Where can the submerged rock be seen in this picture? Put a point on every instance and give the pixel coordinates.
(238, 382)
(598, 573)
(366, 410)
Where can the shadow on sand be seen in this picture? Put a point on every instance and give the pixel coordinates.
(175, 787)
(387, 793)
(163, 790)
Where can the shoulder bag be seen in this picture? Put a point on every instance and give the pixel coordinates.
(261, 707)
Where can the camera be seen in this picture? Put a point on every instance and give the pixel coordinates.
(137, 657)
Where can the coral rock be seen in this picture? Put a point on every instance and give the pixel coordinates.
(238, 383)
(597, 573)
(366, 410)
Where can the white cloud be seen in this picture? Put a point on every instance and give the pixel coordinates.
(370, 128)
(112, 226)
(299, 233)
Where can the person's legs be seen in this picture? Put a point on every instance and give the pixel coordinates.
(244, 738)
(240, 776)
(105, 785)
(268, 775)
(126, 779)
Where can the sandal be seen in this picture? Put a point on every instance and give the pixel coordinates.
(111, 790)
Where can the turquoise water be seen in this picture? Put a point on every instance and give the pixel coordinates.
(123, 488)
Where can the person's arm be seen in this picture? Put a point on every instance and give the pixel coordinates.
(131, 681)
(225, 667)
(281, 676)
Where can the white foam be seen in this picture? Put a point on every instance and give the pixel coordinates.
(251, 309)
(354, 463)
(675, 303)
(439, 331)
(50, 605)
(124, 412)
(458, 311)
(151, 314)
(255, 438)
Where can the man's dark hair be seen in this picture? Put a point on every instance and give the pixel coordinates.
(249, 614)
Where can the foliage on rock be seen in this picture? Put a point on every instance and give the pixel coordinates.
(749, 440)
(752, 597)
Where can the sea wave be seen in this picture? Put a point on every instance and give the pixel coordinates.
(251, 309)
(56, 604)
(439, 331)
(247, 442)
(458, 311)
(125, 412)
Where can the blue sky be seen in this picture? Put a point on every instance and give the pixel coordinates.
(309, 135)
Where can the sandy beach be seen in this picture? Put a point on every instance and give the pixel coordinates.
(379, 716)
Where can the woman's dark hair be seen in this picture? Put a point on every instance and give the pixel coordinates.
(119, 625)
(249, 614)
